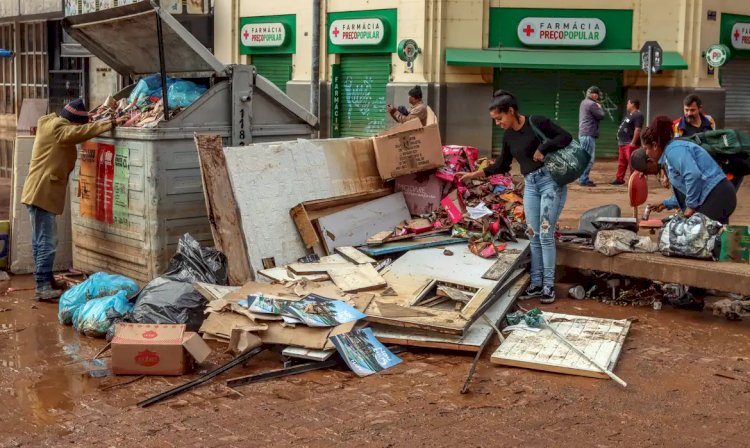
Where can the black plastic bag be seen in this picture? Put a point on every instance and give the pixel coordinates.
(193, 263)
(171, 298)
(165, 301)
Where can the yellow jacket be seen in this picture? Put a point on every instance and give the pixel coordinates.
(53, 158)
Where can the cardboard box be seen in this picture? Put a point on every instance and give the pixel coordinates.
(423, 192)
(155, 349)
(407, 149)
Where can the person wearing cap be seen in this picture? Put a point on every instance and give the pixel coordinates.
(698, 183)
(418, 109)
(53, 157)
(590, 113)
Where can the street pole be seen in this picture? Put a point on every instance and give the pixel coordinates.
(315, 78)
(648, 88)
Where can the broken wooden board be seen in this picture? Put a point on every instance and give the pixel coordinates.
(503, 262)
(357, 278)
(316, 268)
(379, 238)
(306, 214)
(417, 271)
(304, 353)
(470, 341)
(222, 324)
(600, 339)
(387, 309)
(282, 275)
(214, 292)
(268, 179)
(726, 277)
(411, 244)
(354, 256)
(223, 214)
(352, 226)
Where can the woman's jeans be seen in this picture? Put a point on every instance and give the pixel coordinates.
(43, 243)
(543, 202)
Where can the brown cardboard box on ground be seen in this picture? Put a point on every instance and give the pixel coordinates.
(156, 349)
(408, 148)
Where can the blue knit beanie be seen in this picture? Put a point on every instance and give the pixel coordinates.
(75, 112)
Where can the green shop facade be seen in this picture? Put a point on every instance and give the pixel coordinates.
(549, 57)
(271, 43)
(734, 75)
(364, 43)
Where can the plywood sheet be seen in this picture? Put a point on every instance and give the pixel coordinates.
(353, 255)
(214, 292)
(600, 339)
(472, 339)
(282, 275)
(354, 225)
(357, 278)
(304, 353)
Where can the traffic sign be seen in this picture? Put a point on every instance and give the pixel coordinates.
(653, 63)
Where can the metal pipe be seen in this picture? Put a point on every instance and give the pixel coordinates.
(162, 65)
(315, 74)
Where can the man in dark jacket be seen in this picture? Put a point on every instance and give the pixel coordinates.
(589, 115)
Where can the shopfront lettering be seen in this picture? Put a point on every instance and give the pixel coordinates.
(741, 36)
(561, 31)
(356, 32)
(263, 35)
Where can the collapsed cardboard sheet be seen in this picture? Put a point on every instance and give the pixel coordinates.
(600, 339)
(301, 335)
(269, 179)
(470, 341)
(419, 271)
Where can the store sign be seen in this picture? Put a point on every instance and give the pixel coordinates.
(263, 34)
(717, 55)
(356, 32)
(573, 32)
(741, 36)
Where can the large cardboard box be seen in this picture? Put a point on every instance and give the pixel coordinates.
(422, 192)
(407, 149)
(156, 349)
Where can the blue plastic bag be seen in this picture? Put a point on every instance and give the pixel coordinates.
(93, 318)
(183, 93)
(98, 285)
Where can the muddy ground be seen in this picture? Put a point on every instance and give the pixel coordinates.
(688, 377)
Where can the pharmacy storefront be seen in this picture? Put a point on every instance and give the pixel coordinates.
(734, 75)
(270, 41)
(549, 57)
(364, 43)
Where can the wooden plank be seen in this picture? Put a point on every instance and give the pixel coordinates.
(726, 277)
(282, 275)
(600, 339)
(305, 213)
(352, 226)
(470, 341)
(316, 268)
(387, 309)
(503, 263)
(221, 206)
(454, 294)
(379, 238)
(417, 243)
(305, 353)
(353, 255)
(357, 278)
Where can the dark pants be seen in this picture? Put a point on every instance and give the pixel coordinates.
(720, 203)
(43, 243)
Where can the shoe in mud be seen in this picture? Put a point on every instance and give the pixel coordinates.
(531, 292)
(46, 293)
(548, 295)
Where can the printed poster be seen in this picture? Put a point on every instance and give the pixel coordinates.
(313, 310)
(88, 6)
(121, 186)
(105, 176)
(363, 353)
(71, 7)
(195, 6)
(172, 6)
(87, 180)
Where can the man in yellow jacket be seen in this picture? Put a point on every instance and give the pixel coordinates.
(52, 159)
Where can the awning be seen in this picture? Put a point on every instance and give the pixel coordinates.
(557, 59)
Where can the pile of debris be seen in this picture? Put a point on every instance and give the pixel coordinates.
(144, 107)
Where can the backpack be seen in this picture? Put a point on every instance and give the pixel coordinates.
(729, 147)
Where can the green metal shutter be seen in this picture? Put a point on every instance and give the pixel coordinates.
(572, 90)
(277, 68)
(535, 91)
(558, 95)
(364, 78)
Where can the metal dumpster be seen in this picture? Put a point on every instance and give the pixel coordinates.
(147, 185)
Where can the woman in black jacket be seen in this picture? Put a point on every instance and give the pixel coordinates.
(543, 197)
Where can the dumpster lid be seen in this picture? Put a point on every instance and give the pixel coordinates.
(124, 38)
